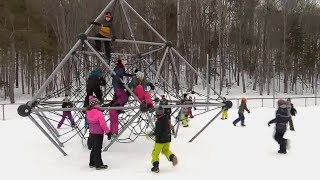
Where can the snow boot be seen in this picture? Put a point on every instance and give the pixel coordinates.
(282, 152)
(102, 167)
(143, 107)
(155, 167)
(174, 159)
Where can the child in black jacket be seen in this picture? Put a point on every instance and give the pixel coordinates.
(282, 117)
(163, 139)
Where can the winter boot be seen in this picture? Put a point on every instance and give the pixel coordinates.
(150, 108)
(282, 152)
(102, 167)
(174, 159)
(155, 167)
(143, 107)
(109, 135)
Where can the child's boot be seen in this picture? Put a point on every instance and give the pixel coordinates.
(155, 167)
(174, 159)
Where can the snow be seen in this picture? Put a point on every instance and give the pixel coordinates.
(222, 151)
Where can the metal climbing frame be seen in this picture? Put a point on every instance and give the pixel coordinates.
(36, 108)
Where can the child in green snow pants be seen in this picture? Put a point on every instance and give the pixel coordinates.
(163, 148)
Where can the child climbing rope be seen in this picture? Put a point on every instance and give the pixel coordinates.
(106, 31)
(139, 85)
(120, 95)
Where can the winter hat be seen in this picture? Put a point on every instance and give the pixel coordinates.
(244, 99)
(282, 103)
(140, 74)
(289, 99)
(120, 63)
(159, 111)
(108, 14)
(93, 101)
(136, 70)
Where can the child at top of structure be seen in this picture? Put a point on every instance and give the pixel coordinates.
(225, 110)
(282, 117)
(106, 31)
(66, 103)
(97, 128)
(293, 112)
(139, 85)
(162, 140)
(242, 108)
(95, 80)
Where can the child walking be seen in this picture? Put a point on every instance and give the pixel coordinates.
(282, 117)
(97, 128)
(66, 104)
(225, 111)
(243, 106)
(162, 140)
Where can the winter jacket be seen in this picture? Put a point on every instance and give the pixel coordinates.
(95, 80)
(107, 29)
(67, 104)
(134, 83)
(96, 121)
(162, 131)
(243, 106)
(116, 79)
(282, 118)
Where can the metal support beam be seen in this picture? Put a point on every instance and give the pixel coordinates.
(194, 137)
(127, 41)
(144, 21)
(49, 129)
(47, 135)
(175, 69)
(161, 64)
(50, 124)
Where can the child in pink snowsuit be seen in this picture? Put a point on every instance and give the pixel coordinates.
(139, 84)
(97, 128)
(66, 104)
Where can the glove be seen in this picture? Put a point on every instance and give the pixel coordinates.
(113, 38)
(268, 124)
(249, 111)
(152, 86)
(95, 23)
(194, 108)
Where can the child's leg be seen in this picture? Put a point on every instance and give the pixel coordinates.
(226, 114)
(122, 97)
(148, 99)
(156, 152)
(223, 115)
(291, 124)
(108, 49)
(95, 155)
(242, 119)
(139, 92)
(237, 120)
(184, 119)
(98, 43)
(167, 152)
(114, 121)
(62, 119)
(70, 118)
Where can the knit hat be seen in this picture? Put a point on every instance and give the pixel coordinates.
(159, 111)
(108, 14)
(244, 99)
(120, 63)
(281, 102)
(93, 101)
(140, 74)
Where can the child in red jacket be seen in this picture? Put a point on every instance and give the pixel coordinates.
(97, 128)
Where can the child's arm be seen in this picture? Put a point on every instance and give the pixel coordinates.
(272, 121)
(103, 123)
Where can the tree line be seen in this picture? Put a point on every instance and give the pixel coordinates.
(248, 41)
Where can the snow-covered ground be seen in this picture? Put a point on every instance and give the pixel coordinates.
(222, 151)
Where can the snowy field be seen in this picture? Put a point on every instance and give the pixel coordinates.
(222, 151)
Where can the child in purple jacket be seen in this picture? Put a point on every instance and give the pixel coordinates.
(97, 128)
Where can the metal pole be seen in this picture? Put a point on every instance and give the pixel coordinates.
(49, 128)
(49, 79)
(127, 41)
(123, 129)
(2, 111)
(144, 21)
(315, 79)
(128, 23)
(49, 123)
(47, 135)
(203, 79)
(161, 64)
(175, 70)
(152, 51)
(208, 89)
(194, 137)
